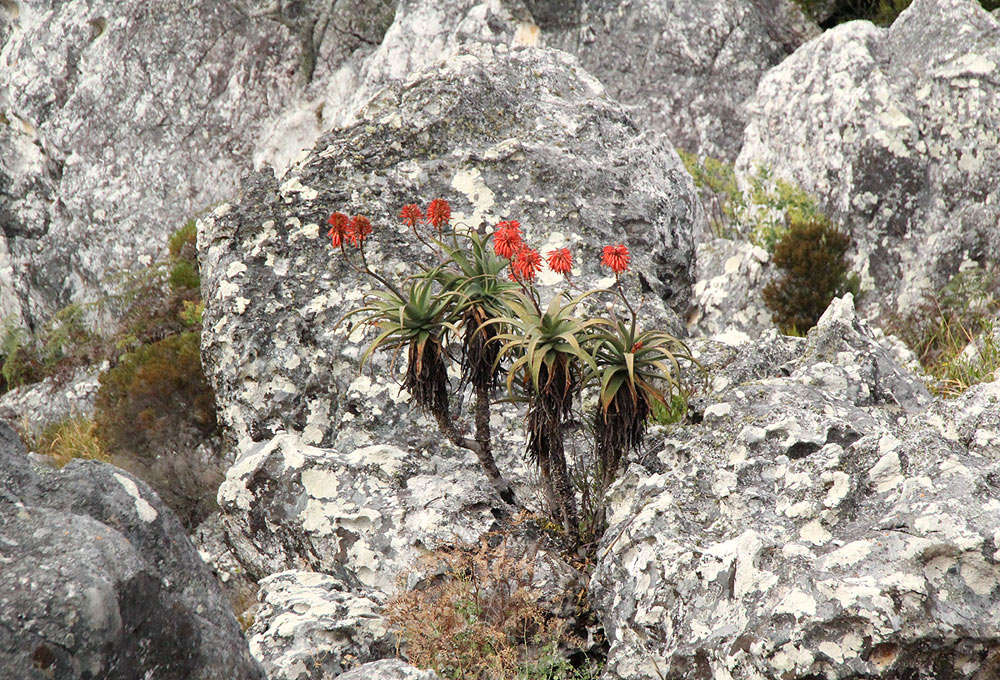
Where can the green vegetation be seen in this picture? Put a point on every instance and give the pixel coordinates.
(811, 256)
(881, 12)
(945, 322)
(762, 213)
(155, 409)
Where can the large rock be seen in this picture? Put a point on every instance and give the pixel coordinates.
(422, 33)
(819, 522)
(895, 132)
(684, 68)
(389, 669)
(98, 580)
(52, 400)
(119, 120)
(559, 157)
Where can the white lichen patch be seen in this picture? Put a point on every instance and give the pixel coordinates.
(295, 186)
(470, 182)
(814, 533)
(798, 603)
(147, 513)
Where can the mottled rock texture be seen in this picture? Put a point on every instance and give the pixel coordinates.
(729, 279)
(122, 119)
(559, 157)
(98, 580)
(684, 68)
(310, 628)
(825, 519)
(390, 669)
(50, 401)
(895, 131)
(362, 515)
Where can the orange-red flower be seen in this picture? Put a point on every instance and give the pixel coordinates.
(439, 213)
(358, 230)
(616, 257)
(507, 239)
(560, 260)
(338, 228)
(411, 214)
(527, 263)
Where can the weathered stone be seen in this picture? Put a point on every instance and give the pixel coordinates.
(685, 68)
(122, 119)
(814, 524)
(895, 132)
(50, 401)
(390, 669)
(730, 277)
(361, 515)
(97, 579)
(310, 628)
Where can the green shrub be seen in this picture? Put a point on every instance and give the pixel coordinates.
(21, 361)
(811, 256)
(153, 411)
(762, 213)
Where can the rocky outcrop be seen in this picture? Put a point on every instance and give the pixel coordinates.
(824, 520)
(119, 120)
(895, 132)
(97, 579)
(685, 68)
(559, 157)
(310, 627)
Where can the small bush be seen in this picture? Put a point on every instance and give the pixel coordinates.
(21, 363)
(74, 437)
(154, 410)
(481, 619)
(811, 256)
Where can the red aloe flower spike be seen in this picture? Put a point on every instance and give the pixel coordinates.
(616, 257)
(359, 229)
(507, 239)
(560, 260)
(439, 213)
(410, 214)
(527, 263)
(338, 228)
(636, 347)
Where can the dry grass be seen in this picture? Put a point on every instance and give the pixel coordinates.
(479, 618)
(74, 437)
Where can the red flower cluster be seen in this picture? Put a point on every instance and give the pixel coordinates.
(526, 265)
(560, 260)
(507, 239)
(616, 257)
(438, 213)
(338, 228)
(411, 215)
(342, 229)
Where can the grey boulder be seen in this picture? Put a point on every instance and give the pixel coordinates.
(98, 579)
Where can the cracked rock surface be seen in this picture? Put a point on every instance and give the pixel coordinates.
(826, 519)
(120, 120)
(685, 68)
